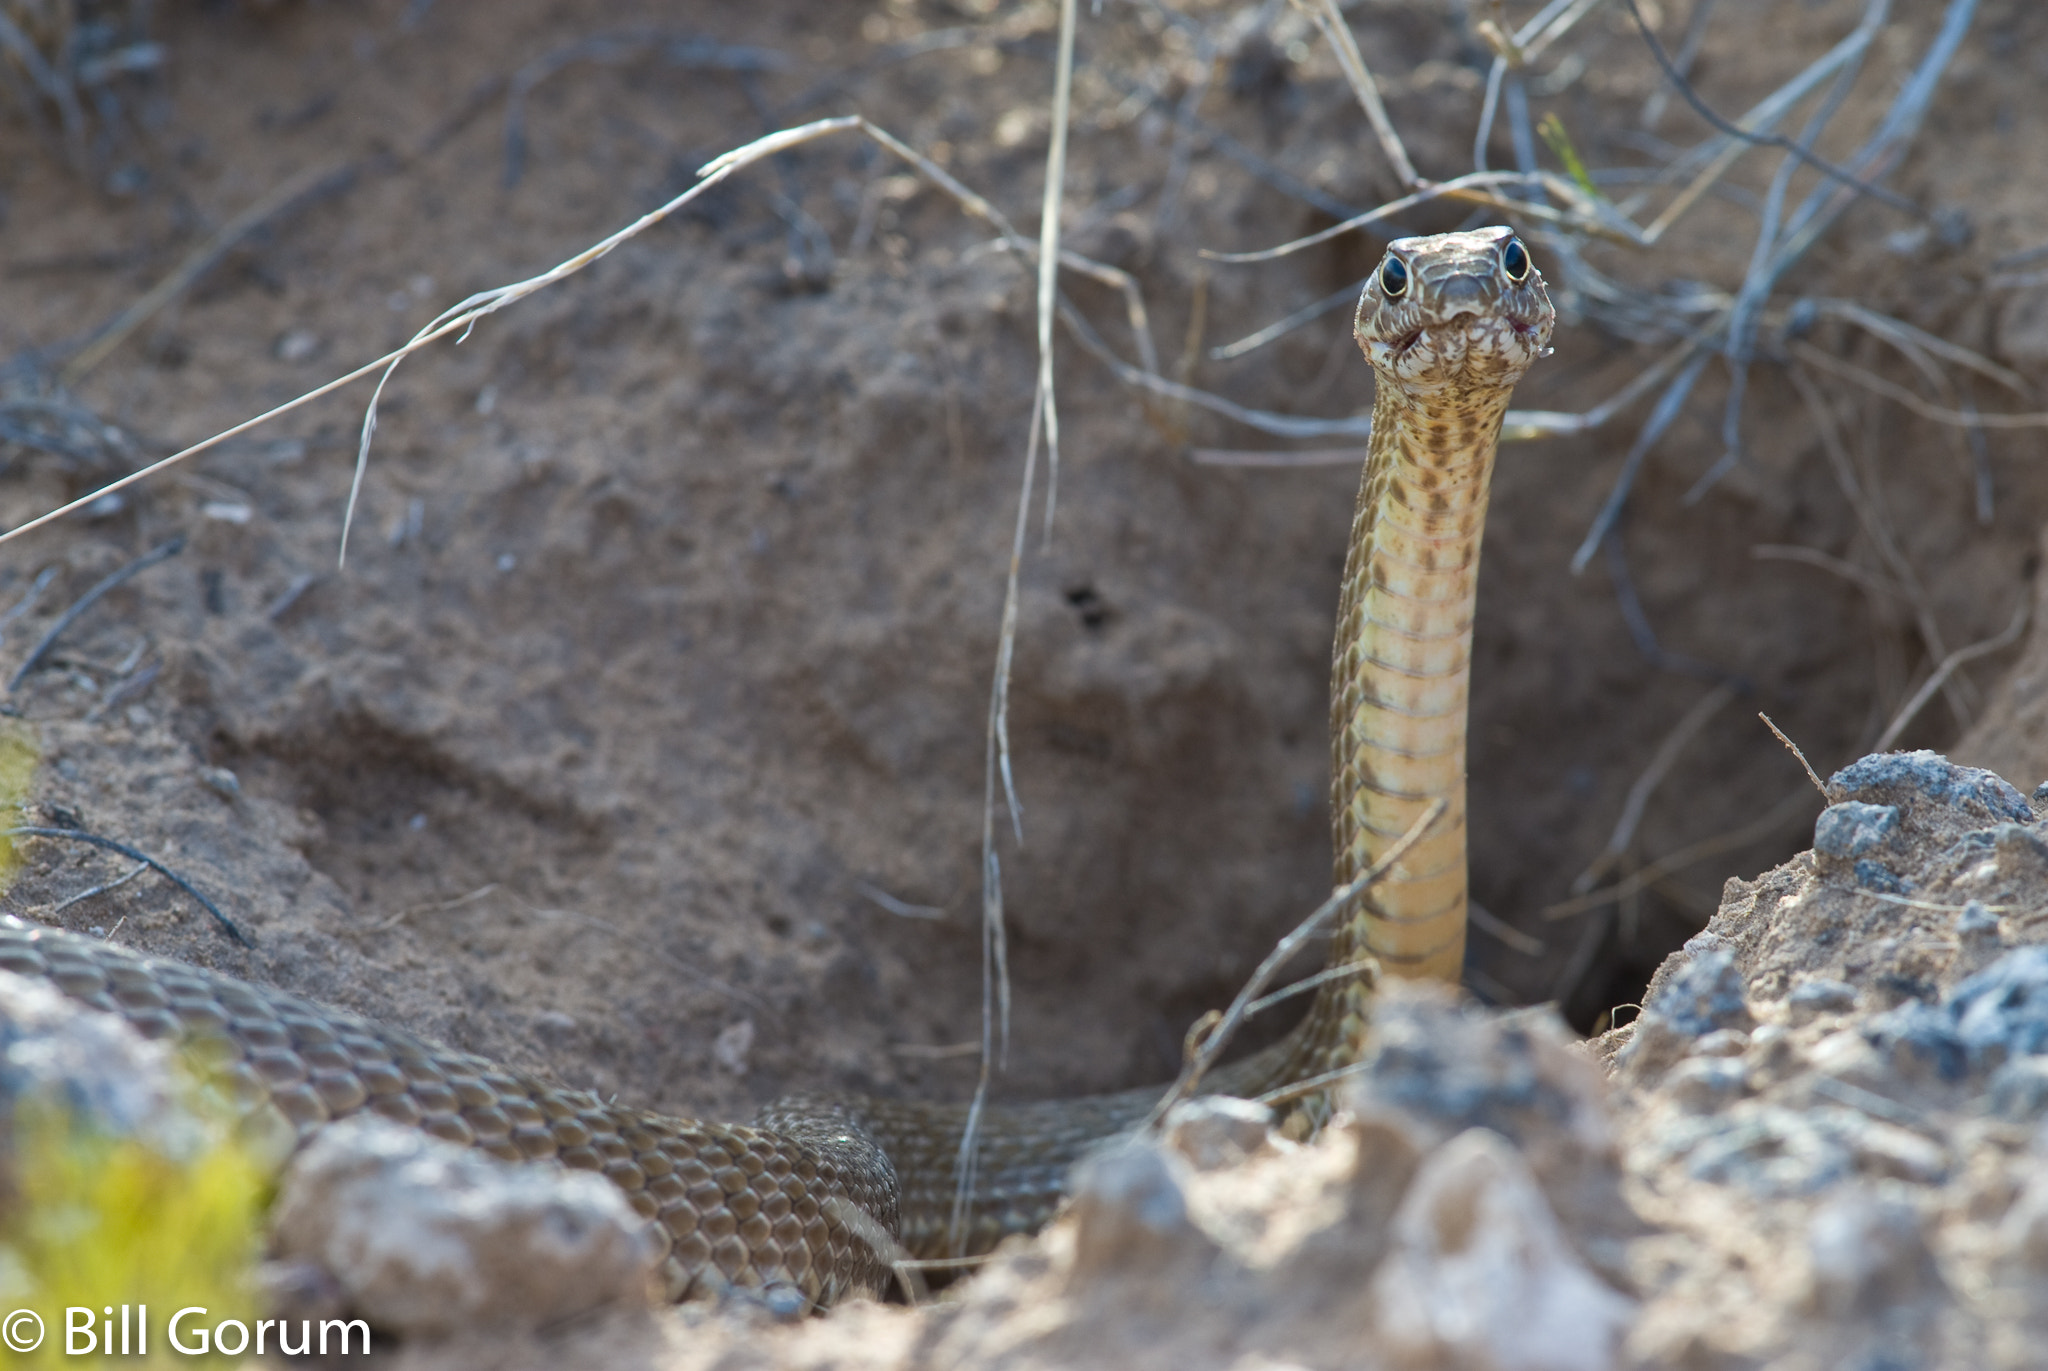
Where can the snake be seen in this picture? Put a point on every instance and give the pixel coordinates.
(824, 1194)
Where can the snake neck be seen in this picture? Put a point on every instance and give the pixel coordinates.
(1399, 685)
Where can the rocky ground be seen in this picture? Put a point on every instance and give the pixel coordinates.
(1819, 1145)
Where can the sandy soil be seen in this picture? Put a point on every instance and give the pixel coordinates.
(664, 642)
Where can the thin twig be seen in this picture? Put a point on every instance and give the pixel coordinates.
(87, 601)
(127, 689)
(1198, 1063)
(995, 966)
(1303, 986)
(1500, 929)
(100, 889)
(1793, 748)
(307, 185)
(1904, 337)
(30, 596)
(1962, 656)
(76, 835)
(1327, 17)
(1684, 857)
(436, 907)
(1871, 381)
(902, 909)
(1811, 556)
(1774, 140)
(1872, 518)
(1305, 457)
(1312, 1085)
(1661, 762)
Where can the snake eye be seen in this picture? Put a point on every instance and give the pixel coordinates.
(1514, 260)
(1394, 277)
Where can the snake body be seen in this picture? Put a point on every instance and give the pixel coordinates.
(805, 1195)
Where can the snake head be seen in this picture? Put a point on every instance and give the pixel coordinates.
(1459, 311)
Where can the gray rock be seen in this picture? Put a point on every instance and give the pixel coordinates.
(1704, 1084)
(2002, 1011)
(102, 1072)
(1697, 992)
(1852, 828)
(1437, 1067)
(2018, 1090)
(1877, 876)
(1706, 994)
(1768, 1150)
(427, 1238)
(1899, 777)
(1919, 1039)
(1819, 995)
(1977, 927)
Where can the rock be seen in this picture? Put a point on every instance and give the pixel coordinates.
(2024, 1231)
(1867, 1253)
(1704, 1084)
(1480, 1275)
(2002, 1011)
(1437, 1066)
(1819, 995)
(1698, 992)
(1877, 876)
(1217, 1130)
(1918, 1038)
(1130, 1213)
(2018, 1091)
(1901, 779)
(1852, 828)
(1979, 938)
(91, 1065)
(427, 1239)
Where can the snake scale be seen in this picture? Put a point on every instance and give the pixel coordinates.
(1449, 323)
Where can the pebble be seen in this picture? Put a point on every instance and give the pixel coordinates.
(1819, 995)
(1851, 829)
(1130, 1211)
(1216, 1131)
(1866, 1252)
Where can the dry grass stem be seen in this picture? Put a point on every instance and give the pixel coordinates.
(1877, 385)
(1666, 756)
(1341, 899)
(1771, 824)
(1814, 557)
(308, 184)
(1793, 748)
(1961, 657)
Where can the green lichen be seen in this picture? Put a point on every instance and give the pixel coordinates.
(95, 1222)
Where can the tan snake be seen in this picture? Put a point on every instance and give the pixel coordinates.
(1449, 324)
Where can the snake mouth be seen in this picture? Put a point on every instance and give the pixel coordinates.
(1464, 321)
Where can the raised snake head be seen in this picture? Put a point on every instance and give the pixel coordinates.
(1464, 312)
